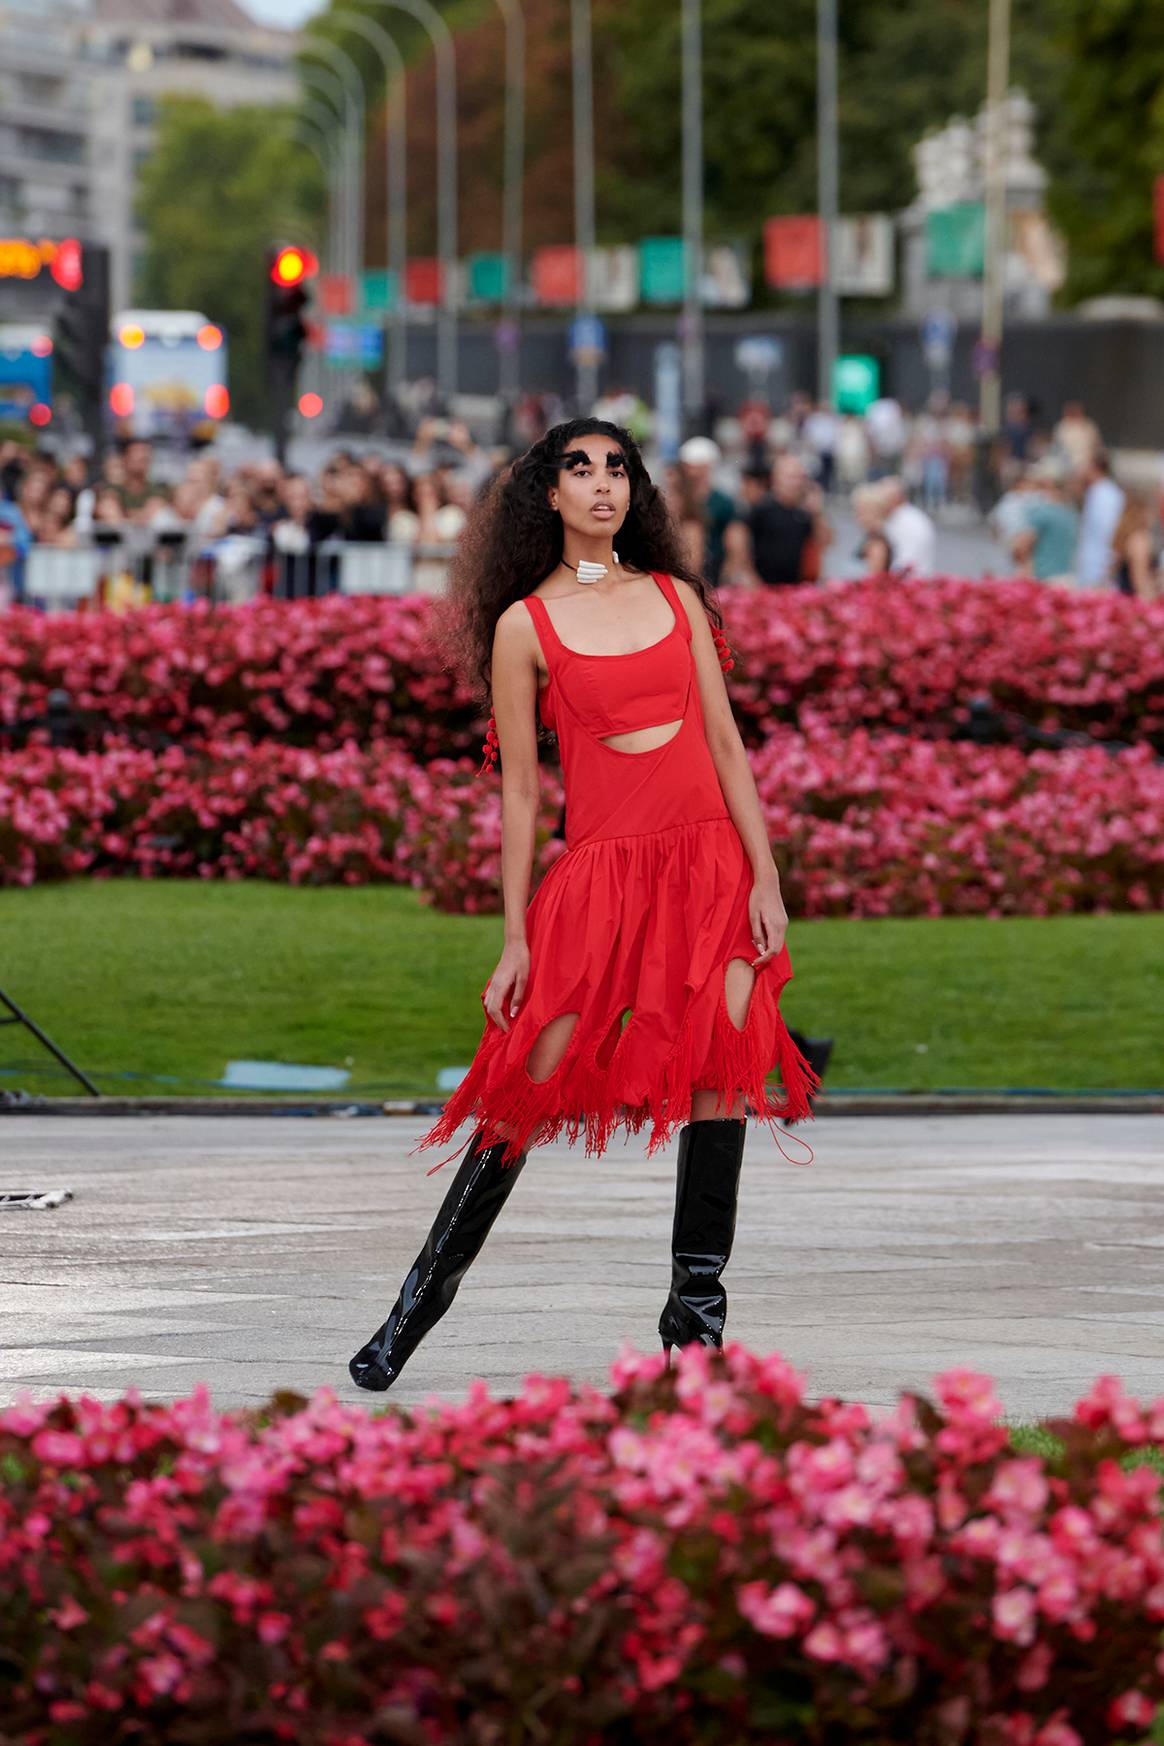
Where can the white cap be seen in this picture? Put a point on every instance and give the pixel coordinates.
(700, 451)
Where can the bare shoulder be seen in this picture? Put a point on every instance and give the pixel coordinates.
(692, 603)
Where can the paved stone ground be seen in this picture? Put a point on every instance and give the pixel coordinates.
(259, 1253)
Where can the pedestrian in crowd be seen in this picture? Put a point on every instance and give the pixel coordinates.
(1016, 436)
(821, 434)
(1103, 504)
(688, 515)
(961, 435)
(853, 452)
(1046, 540)
(773, 541)
(665, 909)
(874, 553)
(928, 452)
(699, 458)
(888, 434)
(755, 422)
(1076, 437)
(1135, 552)
(912, 535)
(15, 545)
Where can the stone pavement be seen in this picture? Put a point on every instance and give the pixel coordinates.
(259, 1253)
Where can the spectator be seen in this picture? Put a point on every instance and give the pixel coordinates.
(853, 452)
(15, 544)
(888, 433)
(137, 463)
(1103, 504)
(699, 457)
(1137, 561)
(930, 453)
(1046, 541)
(687, 514)
(874, 552)
(1076, 437)
(770, 541)
(911, 533)
(821, 435)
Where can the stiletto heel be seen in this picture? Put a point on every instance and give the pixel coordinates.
(667, 1352)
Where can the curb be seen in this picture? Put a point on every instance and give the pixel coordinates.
(834, 1104)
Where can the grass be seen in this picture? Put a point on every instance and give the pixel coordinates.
(152, 986)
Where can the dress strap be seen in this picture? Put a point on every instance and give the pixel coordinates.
(552, 645)
(677, 607)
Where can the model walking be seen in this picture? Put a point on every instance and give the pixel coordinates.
(642, 982)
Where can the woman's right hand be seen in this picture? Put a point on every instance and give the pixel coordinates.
(506, 987)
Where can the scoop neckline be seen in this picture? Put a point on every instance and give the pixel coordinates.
(622, 654)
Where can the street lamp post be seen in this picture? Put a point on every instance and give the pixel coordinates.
(427, 16)
(343, 65)
(586, 377)
(997, 78)
(323, 148)
(692, 56)
(509, 362)
(395, 181)
(828, 155)
(331, 87)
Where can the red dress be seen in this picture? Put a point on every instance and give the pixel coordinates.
(640, 914)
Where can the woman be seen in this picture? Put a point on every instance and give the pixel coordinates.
(666, 904)
(1135, 562)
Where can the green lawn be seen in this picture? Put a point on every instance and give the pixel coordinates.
(154, 986)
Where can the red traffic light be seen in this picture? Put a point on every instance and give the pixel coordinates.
(292, 265)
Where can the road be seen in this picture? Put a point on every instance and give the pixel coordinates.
(259, 1253)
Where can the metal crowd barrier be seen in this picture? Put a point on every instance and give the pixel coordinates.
(141, 565)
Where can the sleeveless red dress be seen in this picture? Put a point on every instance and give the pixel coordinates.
(642, 914)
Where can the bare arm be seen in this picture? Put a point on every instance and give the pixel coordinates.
(735, 777)
(1140, 564)
(514, 675)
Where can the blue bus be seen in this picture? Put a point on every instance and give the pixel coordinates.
(26, 374)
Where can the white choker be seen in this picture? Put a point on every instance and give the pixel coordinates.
(588, 571)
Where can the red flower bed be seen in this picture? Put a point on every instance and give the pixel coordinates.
(879, 653)
(699, 1556)
(862, 824)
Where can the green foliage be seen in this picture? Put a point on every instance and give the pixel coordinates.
(1107, 144)
(221, 185)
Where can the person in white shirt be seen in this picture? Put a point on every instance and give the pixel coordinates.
(1103, 504)
(910, 531)
(888, 434)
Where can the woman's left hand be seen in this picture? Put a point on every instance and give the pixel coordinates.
(769, 920)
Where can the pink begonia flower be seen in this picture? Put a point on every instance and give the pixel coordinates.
(1014, 1614)
(779, 1612)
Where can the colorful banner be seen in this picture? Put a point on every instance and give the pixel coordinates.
(615, 278)
(956, 241)
(727, 276)
(792, 253)
(335, 294)
(488, 278)
(556, 274)
(423, 281)
(864, 265)
(378, 291)
(661, 269)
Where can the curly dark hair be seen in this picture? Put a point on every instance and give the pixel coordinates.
(513, 539)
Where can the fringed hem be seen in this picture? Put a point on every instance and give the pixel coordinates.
(577, 1098)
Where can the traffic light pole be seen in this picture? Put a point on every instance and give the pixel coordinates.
(81, 340)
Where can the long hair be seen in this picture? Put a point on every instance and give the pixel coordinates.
(513, 539)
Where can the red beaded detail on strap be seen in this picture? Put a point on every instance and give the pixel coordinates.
(490, 746)
(726, 660)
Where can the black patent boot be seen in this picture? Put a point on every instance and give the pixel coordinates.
(706, 1192)
(476, 1195)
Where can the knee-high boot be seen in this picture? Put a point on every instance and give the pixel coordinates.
(475, 1197)
(706, 1195)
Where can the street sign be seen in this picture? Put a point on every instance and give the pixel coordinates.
(587, 339)
(937, 336)
(353, 345)
(661, 269)
(759, 354)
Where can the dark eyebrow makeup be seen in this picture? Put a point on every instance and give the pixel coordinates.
(579, 458)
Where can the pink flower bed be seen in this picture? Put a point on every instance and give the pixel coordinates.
(879, 653)
(700, 1556)
(862, 824)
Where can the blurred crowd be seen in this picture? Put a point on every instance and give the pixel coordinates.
(759, 507)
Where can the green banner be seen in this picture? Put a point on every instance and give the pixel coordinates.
(956, 241)
(488, 278)
(661, 269)
(378, 291)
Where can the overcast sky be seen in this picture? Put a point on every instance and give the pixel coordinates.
(286, 12)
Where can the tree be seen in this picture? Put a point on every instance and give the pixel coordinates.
(1106, 144)
(221, 185)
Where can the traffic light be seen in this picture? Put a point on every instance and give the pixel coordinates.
(285, 326)
(81, 333)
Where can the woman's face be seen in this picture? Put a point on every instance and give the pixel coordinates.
(592, 494)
